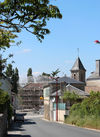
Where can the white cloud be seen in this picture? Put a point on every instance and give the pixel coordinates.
(36, 73)
(26, 50)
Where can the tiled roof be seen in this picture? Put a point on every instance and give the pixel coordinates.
(68, 80)
(78, 65)
(76, 90)
(72, 89)
(34, 86)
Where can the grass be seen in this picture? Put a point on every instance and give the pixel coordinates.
(87, 121)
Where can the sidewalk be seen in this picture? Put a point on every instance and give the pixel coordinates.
(14, 130)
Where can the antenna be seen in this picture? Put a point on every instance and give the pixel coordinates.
(78, 52)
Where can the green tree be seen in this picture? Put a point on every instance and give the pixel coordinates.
(32, 15)
(29, 72)
(72, 97)
(53, 74)
(13, 74)
(9, 71)
(14, 80)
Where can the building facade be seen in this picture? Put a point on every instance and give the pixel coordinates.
(30, 96)
(93, 81)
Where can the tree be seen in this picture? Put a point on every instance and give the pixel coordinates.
(53, 74)
(13, 74)
(14, 80)
(3, 63)
(32, 15)
(29, 72)
(9, 71)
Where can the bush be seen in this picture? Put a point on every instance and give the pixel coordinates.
(86, 113)
(5, 103)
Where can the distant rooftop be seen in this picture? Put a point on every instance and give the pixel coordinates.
(68, 80)
(72, 89)
(34, 86)
(96, 74)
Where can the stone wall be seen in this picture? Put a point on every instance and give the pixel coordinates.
(92, 88)
(3, 124)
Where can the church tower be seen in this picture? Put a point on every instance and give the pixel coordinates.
(78, 71)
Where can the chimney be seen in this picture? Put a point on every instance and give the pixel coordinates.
(98, 67)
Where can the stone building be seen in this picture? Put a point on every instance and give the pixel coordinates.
(78, 71)
(30, 95)
(93, 81)
(77, 81)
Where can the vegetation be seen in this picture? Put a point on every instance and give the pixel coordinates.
(52, 75)
(31, 15)
(13, 74)
(29, 72)
(72, 97)
(14, 80)
(86, 113)
(5, 104)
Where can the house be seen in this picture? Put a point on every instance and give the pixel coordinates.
(51, 99)
(57, 87)
(93, 81)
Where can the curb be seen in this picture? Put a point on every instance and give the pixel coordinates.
(92, 129)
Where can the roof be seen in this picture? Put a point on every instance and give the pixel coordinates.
(67, 80)
(32, 86)
(72, 89)
(78, 65)
(94, 76)
(76, 90)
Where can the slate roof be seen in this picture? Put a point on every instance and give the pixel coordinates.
(72, 89)
(78, 65)
(68, 80)
(34, 86)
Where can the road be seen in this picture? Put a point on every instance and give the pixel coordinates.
(35, 126)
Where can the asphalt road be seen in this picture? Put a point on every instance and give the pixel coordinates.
(37, 127)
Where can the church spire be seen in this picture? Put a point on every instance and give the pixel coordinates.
(78, 71)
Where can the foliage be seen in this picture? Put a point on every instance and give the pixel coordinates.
(5, 103)
(72, 97)
(29, 72)
(4, 97)
(3, 63)
(6, 38)
(52, 75)
(9, 70)
(31, 15)
(83, 114)
(4, 100)
(14, 80)
(13, 74)
(10, 112)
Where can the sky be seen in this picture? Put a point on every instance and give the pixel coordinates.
(79, 28)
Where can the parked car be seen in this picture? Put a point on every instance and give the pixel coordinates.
(18, 118)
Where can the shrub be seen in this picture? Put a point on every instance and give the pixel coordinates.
(86, 113)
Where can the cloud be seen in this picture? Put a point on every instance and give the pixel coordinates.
(36, 73)
(26, 50)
